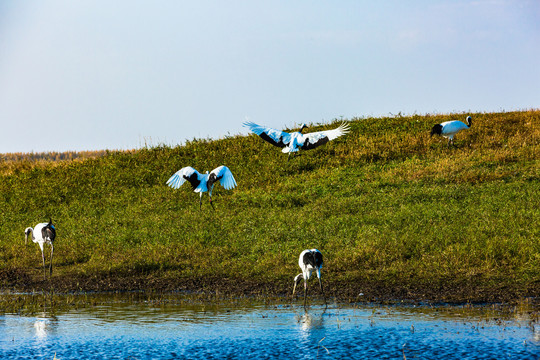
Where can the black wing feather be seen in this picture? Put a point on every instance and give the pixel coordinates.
(307, 145)
(313, 258)
(212, 178)
(193, 180)
(318, 258)
(267, 138)
(48, 231)
(437, 129)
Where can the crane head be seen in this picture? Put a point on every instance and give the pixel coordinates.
(27, 232)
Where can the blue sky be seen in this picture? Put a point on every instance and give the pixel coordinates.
(128, 73)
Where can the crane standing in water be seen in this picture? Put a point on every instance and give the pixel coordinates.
(309, 261)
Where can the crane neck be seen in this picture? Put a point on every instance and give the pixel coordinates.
(28, 231)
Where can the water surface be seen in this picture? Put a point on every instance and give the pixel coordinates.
(204, 331)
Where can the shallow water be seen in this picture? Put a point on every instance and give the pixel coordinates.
(202, 331)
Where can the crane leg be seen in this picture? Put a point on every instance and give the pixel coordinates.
(324, 296)
(305, 294)
(50, 267)
(43, 258)
(289, 156)
(212, 203)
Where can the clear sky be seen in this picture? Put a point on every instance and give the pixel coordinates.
(120, 74)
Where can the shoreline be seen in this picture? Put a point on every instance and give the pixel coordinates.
(218, 289)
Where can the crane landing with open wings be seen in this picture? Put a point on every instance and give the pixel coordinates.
(293, 142)
(203, 182)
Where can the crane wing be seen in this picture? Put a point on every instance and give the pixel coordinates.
(314, 139)
(452, 127)
(275, 137)
(48, 232)
(224, 175)
(318, 258)
(312, 257)
(187, 173)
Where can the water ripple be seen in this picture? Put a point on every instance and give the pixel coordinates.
(136, 331)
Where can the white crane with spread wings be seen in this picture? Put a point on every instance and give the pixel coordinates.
(203, 182)
(292, 142)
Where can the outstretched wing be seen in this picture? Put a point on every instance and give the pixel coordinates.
(187, 173)
(314, 139)
(223, 175)
(275, 137)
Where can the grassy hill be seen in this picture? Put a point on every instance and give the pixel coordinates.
(395, 212)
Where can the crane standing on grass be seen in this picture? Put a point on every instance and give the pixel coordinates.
(292, 142)
(309, 261)
(43, 233)
(203, 182)
(448, 129)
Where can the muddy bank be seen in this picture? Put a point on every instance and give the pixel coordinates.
(354, 290)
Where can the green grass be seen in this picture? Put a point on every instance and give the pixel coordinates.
(390, 208)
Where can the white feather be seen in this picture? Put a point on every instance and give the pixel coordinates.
(178, 179)
(276, 135)
(451, 128)
(227, 180)
(331, 134)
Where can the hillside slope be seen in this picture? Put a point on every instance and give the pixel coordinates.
(395, 212)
